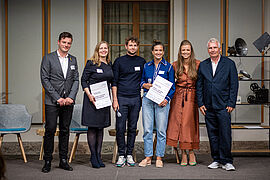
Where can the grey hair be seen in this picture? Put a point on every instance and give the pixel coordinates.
(213, 40)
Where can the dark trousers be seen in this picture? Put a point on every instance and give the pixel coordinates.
(218, 123)
(129, 109)
(51, 114)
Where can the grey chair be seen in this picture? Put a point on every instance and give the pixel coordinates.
(14, 119)
(77, 128)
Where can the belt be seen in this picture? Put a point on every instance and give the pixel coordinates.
(186, 89)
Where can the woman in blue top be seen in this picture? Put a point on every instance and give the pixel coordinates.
(153, 113)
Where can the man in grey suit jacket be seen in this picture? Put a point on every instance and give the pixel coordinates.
(60, 79)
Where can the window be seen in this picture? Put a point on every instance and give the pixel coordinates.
(146, 20)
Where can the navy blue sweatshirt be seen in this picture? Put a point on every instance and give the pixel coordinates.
(127, 71)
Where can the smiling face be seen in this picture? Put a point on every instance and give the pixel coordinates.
(213, 50)
(158, 52)
(103, 50)
(186, 51)
(64, 45)
(132, 48)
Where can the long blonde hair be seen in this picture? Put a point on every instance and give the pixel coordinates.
(95, 57)
(192, 72)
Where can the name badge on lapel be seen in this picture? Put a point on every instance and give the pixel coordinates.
(72, 67)
(161, 72)
(99, 71)
(137, 68)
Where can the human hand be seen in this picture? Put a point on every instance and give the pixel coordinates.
(61, 101)
(229, 109)
(147, 85)
(163, 103)
(92, 98)
(203, 110)
(115, 105)
(69, 101)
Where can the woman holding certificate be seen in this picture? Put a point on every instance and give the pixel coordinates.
(156, 113)
(98, 69)
(183, 126)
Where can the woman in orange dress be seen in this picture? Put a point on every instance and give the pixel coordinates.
(183, 125)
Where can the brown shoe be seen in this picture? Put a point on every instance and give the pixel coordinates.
(159, 163)
(145, 163)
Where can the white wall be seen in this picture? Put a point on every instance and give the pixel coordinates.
(69, 17)
(93, 25)
(177, 26)
(203, 23)
(24, 54)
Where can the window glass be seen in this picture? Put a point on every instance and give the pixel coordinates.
(117, 12)
(146, 20)
(154, 12)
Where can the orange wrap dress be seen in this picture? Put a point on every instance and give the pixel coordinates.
(183, 124)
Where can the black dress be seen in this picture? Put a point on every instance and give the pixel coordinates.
(92, 117)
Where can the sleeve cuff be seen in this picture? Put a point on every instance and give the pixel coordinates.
(84, 86)
(200, 104)
(114, 84)
(168, 98)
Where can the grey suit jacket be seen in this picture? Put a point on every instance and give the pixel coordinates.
(53, 81)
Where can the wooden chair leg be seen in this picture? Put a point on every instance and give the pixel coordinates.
(41, 149)
(21, 146)
(176, 155)
(154, 144)
(134, 154)
(1, 140)
(115, 149)
(74, 147)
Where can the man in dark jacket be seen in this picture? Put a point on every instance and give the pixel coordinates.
(217, 87)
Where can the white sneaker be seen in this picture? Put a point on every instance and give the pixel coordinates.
(130, 161)
(121, 161)
(228, 167)
(214, 165)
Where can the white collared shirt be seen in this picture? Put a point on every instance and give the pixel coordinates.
(64, 63)
(214, 66)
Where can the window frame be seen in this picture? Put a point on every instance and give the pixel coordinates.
(136, 21)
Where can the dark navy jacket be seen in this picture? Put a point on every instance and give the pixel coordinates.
(219, 91)
(164, 70)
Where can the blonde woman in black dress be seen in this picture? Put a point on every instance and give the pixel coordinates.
(97, 69)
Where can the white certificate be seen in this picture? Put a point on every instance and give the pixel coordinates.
(101, 94)
(159, 90)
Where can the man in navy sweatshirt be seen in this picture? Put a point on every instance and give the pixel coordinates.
(126, 92)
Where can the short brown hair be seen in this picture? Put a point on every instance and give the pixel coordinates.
(64, 35)
(132, 39)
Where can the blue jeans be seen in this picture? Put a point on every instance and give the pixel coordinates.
(152, 113)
